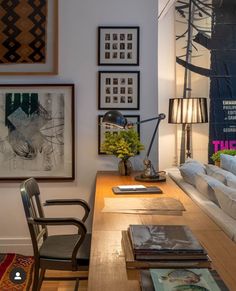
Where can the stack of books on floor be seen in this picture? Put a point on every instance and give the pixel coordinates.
(163, 246)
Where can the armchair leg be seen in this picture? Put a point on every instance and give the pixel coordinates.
(76, 284)
(36, 277)
(42, 273)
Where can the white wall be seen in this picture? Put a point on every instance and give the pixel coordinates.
(78, 22)
(166, 86)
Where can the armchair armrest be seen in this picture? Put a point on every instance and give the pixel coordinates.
(59, 221)
(81, 202)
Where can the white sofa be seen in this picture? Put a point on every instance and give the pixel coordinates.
(225, 221)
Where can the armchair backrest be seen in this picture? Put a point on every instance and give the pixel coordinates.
(30, 195)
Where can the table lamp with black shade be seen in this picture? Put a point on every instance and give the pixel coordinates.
(115, 119)
(187, 111)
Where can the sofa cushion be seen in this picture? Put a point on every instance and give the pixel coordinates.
(231, 181)
(189, 170)
(225, 221)
(218, 173)
(227, 199)
(204, 185)
(228, 163)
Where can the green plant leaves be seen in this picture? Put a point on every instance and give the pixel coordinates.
(216, 156)
(122, 144)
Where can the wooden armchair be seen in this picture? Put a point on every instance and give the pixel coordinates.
(56, 252)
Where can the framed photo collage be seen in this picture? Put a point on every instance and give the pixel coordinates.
(118, 90)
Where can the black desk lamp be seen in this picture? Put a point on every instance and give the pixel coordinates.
(187, 111)
(115, 119)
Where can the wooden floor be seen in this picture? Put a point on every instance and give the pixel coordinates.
(62, 285)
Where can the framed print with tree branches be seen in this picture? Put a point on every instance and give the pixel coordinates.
(206, 66)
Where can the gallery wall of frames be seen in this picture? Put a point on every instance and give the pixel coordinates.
(37, 124)
(118, 89)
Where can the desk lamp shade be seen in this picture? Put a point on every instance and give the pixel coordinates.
(114, 118)
(188, 110)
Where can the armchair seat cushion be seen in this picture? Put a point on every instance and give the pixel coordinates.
(61, 247)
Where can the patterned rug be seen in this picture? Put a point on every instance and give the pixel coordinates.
(15, 272)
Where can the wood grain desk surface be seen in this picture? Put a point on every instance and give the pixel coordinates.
(107, 271)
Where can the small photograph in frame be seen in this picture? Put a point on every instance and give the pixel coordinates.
(118, 45)
(103, 129)
(37, 132)
(122, 88)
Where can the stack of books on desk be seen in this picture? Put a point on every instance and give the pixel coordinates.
(163, 246)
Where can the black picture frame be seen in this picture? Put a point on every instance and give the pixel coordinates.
(37, 136)
(102, 129)
(118, 45)
(119, 90)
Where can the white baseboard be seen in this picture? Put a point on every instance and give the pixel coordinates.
(16, 245)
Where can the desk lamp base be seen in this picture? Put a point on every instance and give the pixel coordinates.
(149, 174)
(156, 178)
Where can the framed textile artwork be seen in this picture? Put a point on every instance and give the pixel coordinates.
(118, 90)
(103, 129)
(118, 45)
(28, 37)
(37, 132)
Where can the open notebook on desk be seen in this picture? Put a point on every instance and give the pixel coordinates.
(136, 189)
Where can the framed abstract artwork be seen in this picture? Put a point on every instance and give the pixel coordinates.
(118, 90)
(118, 45)
(29, 37)
(103, 129)
(37, 132)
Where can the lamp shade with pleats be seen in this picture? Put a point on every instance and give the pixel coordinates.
(188, 110)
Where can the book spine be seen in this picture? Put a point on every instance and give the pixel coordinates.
(163, 264)
(152, 257)
(130, 237)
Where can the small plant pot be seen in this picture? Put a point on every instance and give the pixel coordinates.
(217, 163)
(125, 167)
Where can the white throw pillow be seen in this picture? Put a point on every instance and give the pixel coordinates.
(205, 184)
(227, 199)
(189, 170)
(218, 173)
(228, 163)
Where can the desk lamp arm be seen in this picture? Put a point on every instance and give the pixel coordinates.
(160, 117)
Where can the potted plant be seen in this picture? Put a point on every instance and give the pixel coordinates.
(122, 144)
(216, 156)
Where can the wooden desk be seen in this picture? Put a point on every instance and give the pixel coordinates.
(107, 265)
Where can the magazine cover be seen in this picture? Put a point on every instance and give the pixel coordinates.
(164, 238)
(183, 280)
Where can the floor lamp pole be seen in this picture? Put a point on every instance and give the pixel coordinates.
(188, 142)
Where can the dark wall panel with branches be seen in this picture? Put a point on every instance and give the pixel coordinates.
(206, 63)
